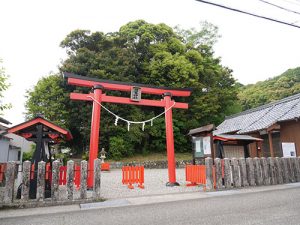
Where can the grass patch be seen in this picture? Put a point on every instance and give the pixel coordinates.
(154, 157)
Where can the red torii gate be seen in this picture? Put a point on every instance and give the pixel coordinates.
(98, 97)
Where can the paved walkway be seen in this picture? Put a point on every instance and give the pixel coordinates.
(142, 200)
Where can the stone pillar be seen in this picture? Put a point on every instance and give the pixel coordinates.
(55, 181)
(209, 174)
(278, 167)
(227, 173)
(9, 182)
(285, 171)
(297, 168)
(265, 171)
(257, 173)
(26, 180)
(243, 170)
(97, 178)
(40, 191)
(272, 171)
(218, 166)
(70, 179)
(250, 171)
(236, 173)
(83, 179)
(291, 170)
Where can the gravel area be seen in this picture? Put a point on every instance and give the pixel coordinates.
(155, 184)
(112, 187)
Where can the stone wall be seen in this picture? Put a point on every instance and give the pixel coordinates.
(155, 164)
(40, 191)
(238, 173)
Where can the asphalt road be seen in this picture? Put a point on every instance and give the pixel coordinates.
(273, 207)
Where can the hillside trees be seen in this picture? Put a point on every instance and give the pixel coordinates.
(273, 89)
(3, 87)
(145, 53)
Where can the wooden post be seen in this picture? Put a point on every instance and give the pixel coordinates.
(26, 180)
(40, 192)
(55, 180)
(83, 179)
(213, 155)
(271, 143)
(70, 179)
(227, 173)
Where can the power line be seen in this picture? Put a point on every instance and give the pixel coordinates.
(291, 2)
(280, 7)
(250, 14)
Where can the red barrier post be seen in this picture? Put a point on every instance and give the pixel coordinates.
(195, 174)
(141, 177)
(2, 171)
(62, 175)
(77, 177)
(133, 175)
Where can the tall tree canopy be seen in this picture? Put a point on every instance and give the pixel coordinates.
(3, 87)
(145, 53)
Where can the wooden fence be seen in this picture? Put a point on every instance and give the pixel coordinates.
(251, 172)
(68, 183)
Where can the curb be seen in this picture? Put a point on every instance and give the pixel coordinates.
(144, 200)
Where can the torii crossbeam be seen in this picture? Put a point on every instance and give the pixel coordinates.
(97, 97)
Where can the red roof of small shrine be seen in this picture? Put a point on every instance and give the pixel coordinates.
(27, 128)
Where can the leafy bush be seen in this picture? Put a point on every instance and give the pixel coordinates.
(119, 148)
(27, 155)
(64, 158)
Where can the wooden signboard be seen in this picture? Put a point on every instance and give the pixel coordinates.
(202, 146)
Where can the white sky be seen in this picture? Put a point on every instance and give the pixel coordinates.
(31, 31)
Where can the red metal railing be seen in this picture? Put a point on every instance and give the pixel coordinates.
(2, 172)
(62, 174)
(133, 175)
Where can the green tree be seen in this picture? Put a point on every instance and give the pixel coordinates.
(3, 87)
(273, 89)
(140, 52)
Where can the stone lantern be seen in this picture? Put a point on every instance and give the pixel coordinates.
(104, 166)
(102, 155)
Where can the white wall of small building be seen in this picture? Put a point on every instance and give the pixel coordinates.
(4, 146)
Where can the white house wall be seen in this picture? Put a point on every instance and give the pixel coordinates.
(4, 146)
